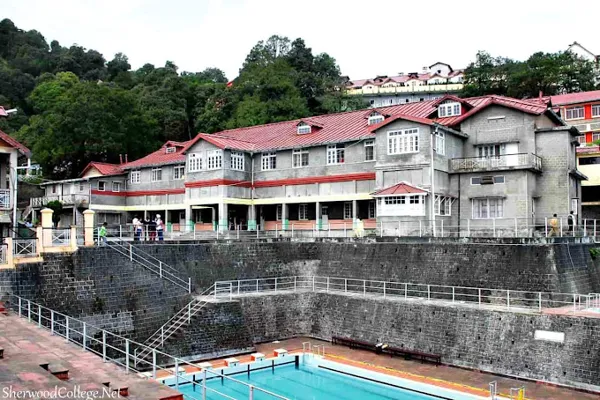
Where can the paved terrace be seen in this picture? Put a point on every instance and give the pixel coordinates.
(26, 347)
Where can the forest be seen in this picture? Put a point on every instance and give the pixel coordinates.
(75, 106)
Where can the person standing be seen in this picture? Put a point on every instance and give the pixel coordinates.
(159, 227)
(102, 235)
(571, 222)
(553, 226)
(137, 229)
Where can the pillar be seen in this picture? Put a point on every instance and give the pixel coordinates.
(10, 259)
(88, 227)
(318, 219)
(46, 226)
(354, 213)
(73, 238)
(223, 217)
(33, 217)
(189, 219)
(213, 211)
(252, 217)
(285, 221)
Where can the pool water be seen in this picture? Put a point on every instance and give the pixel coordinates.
(306, 382)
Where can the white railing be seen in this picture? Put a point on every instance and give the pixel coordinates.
(5, 199)
(60, 237)
(504, 161)
(488, 297)
(67, 199)
(122, 351)
(24, 247)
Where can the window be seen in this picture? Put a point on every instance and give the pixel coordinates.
(214, 159)
(369, 150)
(336, 153)
(488, 208)
(81, 187)
(178, 172)
(449, 109)
(581, 139)
(269, 161)
(303, 212)
(595, 136)
(574, 205)
(195, 162)
(371, 209)
(595, 110)
(303, 129)
(495, 180)
(574, 113)
(375, 119)
(299, 158)
(488, 151)
(237, 160)
(135, 176)
(156, 174)
(348, 210)
(170, 150)
(401, 206)
(440, 142)
(53, 189)
(116, 186)
(589, 161)
(442, 205)
(403, 141)
(101, 186)
(278, 212)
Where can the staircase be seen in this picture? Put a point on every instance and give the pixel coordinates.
(177, 323)
(151, 263)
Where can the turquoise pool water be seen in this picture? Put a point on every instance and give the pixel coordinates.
(303, 383)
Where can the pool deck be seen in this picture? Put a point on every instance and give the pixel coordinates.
(26, 346)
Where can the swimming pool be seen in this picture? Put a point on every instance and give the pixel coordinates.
(320, 379)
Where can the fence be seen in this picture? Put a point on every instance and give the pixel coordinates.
(122, 351)
(24, 247)
(498, 298)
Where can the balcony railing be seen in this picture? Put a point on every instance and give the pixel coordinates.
(501, 162)
(4, 199)
(67, 200)
(433, 88)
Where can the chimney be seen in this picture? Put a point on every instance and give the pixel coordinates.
(120, 158)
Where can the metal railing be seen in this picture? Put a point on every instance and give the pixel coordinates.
(5, 199)
(121, 350)
(67, 199)
(488, 297)
(499, 162)
(59, 236)
(151, 263)
(24, 247)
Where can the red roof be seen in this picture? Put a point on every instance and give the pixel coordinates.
(424, 121)
(3, 112)
(104, 168)
(399, 189)
(575, 98)
(161, 157)
(14, 143)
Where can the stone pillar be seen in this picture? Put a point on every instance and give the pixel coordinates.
(46, 227)
(73, 238)
(252, 217)
(213, 211)
(10, 260)
(88, 227)
(189, 218)
(319, 221)
(354, 213)
(284, 217)
(223, 216)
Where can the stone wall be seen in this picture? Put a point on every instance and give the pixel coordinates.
(530, 267)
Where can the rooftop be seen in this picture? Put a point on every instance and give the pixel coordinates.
(575, 98)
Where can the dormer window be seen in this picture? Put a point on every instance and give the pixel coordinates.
(303, 129)
(449, 109)
(375, 119)
(170, 150)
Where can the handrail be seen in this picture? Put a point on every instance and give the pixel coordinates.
(126, 245)
(165, 274)
(35, 310)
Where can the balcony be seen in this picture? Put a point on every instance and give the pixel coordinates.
(77, 200)
(439, 88)
(5, 199)
(496, 163)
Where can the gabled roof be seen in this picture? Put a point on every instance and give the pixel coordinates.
(16, 144)
(424, 121)
(376, 111)
(575, 98)
(442, 63)
(3, 112)
(310, 122)
(399, 189)
(161, 157)
(104, 168)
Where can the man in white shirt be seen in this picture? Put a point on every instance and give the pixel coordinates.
(159, 227)
(137, 228)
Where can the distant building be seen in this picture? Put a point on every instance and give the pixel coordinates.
(430, 84)
(582, 110)
(583, 52)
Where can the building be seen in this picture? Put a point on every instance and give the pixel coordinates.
(495, 160)
(431, 83)
(582, 110)
(583, 52)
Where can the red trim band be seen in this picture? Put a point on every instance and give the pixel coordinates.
(138, 192)
(363, 176)
(217, 182)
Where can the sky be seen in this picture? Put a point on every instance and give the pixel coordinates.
(367, 38)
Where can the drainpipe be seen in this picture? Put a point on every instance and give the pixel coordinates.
(433, 132)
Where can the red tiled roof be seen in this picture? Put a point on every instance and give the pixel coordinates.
(161, 157)
(3, 112)
(424, 121)
(399, 189)
(104, 168)
(575, 98)
(14, 143)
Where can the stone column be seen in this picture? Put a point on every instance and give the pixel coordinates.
(354, 213)
(319, 221)
(223, 217)
(213, 211)
(284, 217)
(10, 260)
(46, 227)
(252, 217)
(88, 227)
(73, 238)
(189, 218)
